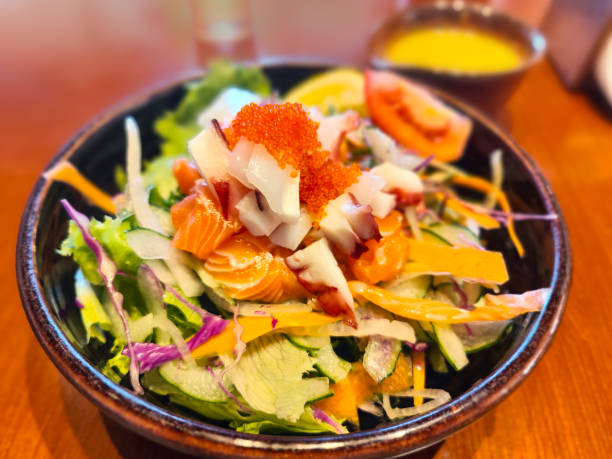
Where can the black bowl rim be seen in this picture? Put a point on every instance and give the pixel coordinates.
(191, 435)
(536, 43)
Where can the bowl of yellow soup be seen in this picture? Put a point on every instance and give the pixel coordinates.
(471, 50)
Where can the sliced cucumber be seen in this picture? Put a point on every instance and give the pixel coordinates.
(179, 266)
(330, 364)
(473, 290)
(433, 237)
(149, 244)
(428, 329)
(436, 360)
(164, 218)
(409, 287)
(161, 271)
(309, 343)
(381, 356)
(327, 362)
(481, 335)
(454, 234)
(213, 289)
(421, 334)
(194, 381)
(439, 280)
(450, 345)
(447, 291)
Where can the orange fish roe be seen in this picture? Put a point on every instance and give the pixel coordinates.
(326, 183)
(290, 136)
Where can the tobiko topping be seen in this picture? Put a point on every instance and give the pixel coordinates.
(293, 141)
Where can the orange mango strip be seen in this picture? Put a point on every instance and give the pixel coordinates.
(349, 393)
(463, 262)
(437, 311)
(256, 326)
(418, 374)
(484, 186)
(67, 173)
(483, 220)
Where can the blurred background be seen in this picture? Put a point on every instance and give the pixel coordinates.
(79, 44)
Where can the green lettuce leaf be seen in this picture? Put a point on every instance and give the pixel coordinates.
(118, 365)
(187, 320)
(111, 234)
(253, 422)
(94, 317)
(158, 175)
(178, 126)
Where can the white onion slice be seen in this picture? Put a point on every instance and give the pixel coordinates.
(256, 215)
(137, 192)
(280, 186)
(438, 398)
(290, 235)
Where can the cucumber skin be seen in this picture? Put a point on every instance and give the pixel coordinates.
(505, 332)
(450, 360)
(388, 371)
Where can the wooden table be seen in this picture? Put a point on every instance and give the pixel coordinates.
(61, 64)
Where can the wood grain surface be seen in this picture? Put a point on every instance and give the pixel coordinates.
(61, 63)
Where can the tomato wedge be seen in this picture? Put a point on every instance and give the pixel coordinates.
(415, 118)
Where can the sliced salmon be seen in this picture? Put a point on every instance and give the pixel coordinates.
(252, 268)
(385, 258)
(390, 224)
(199, 222)
(186, 174)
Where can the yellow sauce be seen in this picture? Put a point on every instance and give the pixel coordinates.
(67, 173)
(454, 48)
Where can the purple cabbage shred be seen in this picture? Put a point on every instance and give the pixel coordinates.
(423, 164)
(322, 416)
(107, 271)
(419, 346)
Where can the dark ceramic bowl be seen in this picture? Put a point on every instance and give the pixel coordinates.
(45, 282)
(487, 90)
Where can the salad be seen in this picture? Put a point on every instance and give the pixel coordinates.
(288, 264)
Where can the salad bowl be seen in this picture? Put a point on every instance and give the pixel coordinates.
(45, 285)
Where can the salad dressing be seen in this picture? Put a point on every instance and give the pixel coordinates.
(454, 48)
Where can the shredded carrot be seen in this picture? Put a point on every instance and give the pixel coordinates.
(484, 186)
(418, 374)
(437, 311)
(483, 220)
(67, 173)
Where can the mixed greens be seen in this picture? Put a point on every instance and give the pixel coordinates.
(284, 267)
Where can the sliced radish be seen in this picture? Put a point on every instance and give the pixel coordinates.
(382, 203)
(210, 153)
(289, 235)
(256, 215)
(319, 273)
(385, 149)
(366, 187)
(332, 130)
(138, 194)
(280, 186)
(338, 230)
(239, 160)
(405, 184)
(361, 219)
